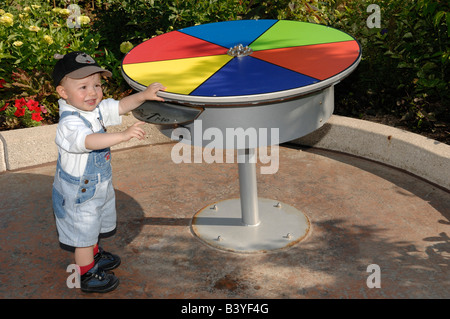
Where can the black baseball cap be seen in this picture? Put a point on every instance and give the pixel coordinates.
(75, 65)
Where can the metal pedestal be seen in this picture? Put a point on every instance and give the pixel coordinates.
(249, 224)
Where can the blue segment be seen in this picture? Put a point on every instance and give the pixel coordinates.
(248, 75)
(230, 33)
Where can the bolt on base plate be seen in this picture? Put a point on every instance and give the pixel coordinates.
(220, 226)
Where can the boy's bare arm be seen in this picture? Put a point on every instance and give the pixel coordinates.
(98, 141)
(131, 102)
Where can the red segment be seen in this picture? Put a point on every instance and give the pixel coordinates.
(170, 46)
(320, 61)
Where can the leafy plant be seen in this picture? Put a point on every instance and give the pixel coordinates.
(404, 69)
(135, 21)
(30, 34)
(28, 113)
(405, 66)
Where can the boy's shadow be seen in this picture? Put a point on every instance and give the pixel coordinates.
(30, 252)
(27, 219)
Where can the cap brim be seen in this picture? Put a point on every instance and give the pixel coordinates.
(86, 71)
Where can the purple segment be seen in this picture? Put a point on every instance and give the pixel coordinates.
(248, 75)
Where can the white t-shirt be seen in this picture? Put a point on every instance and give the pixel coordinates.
(72, 131)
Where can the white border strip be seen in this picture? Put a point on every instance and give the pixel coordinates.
(417, 154)
(421, 156)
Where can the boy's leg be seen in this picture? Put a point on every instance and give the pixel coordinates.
(93, 278)
(103, 259)
(84, 257)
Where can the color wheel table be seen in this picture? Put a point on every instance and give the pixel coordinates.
(247, 74)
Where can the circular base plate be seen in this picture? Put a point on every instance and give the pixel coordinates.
(220, 225)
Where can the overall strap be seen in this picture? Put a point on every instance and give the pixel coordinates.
(67, 113)
(88, 124)
(98, 166)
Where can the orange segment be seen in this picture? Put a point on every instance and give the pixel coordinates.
(319, 61)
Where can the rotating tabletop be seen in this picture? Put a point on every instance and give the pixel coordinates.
(204, 65)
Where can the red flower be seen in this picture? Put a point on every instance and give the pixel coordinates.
(4, 107)
(20, 103)
(33, 106)
(36, 117)
(19, 112)
(1, 83)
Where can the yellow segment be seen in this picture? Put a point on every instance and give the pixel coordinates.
(180, 76)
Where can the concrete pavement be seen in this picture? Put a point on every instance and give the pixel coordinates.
(361, 213)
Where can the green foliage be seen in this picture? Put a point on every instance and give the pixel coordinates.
(405, 66)
(136, 21)
(404, 70)
(30, 34)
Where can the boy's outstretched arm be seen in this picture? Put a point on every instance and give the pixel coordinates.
(98, 141)
(131, 102)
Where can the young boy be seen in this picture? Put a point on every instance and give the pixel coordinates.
(83, 194)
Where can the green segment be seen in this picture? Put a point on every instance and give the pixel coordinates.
(293, 33)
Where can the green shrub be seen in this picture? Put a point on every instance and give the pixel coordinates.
(404, 70)
(136, 21)
(30, 34)
(405, 65)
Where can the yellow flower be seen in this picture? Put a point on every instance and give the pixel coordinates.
(35, 6)
(17, 43)
(48, 39)
(64, 12)
(6, 20)
(9, 15)
(26, 9)
(126, 46)
(34, 28)
(56, 10)
(56, 24)
(84, 19)
(2, 12)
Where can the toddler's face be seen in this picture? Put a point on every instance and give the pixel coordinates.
(84, 94)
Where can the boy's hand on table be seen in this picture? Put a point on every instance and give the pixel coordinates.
(152, 90)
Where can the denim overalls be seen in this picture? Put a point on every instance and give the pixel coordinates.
(84, 206)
